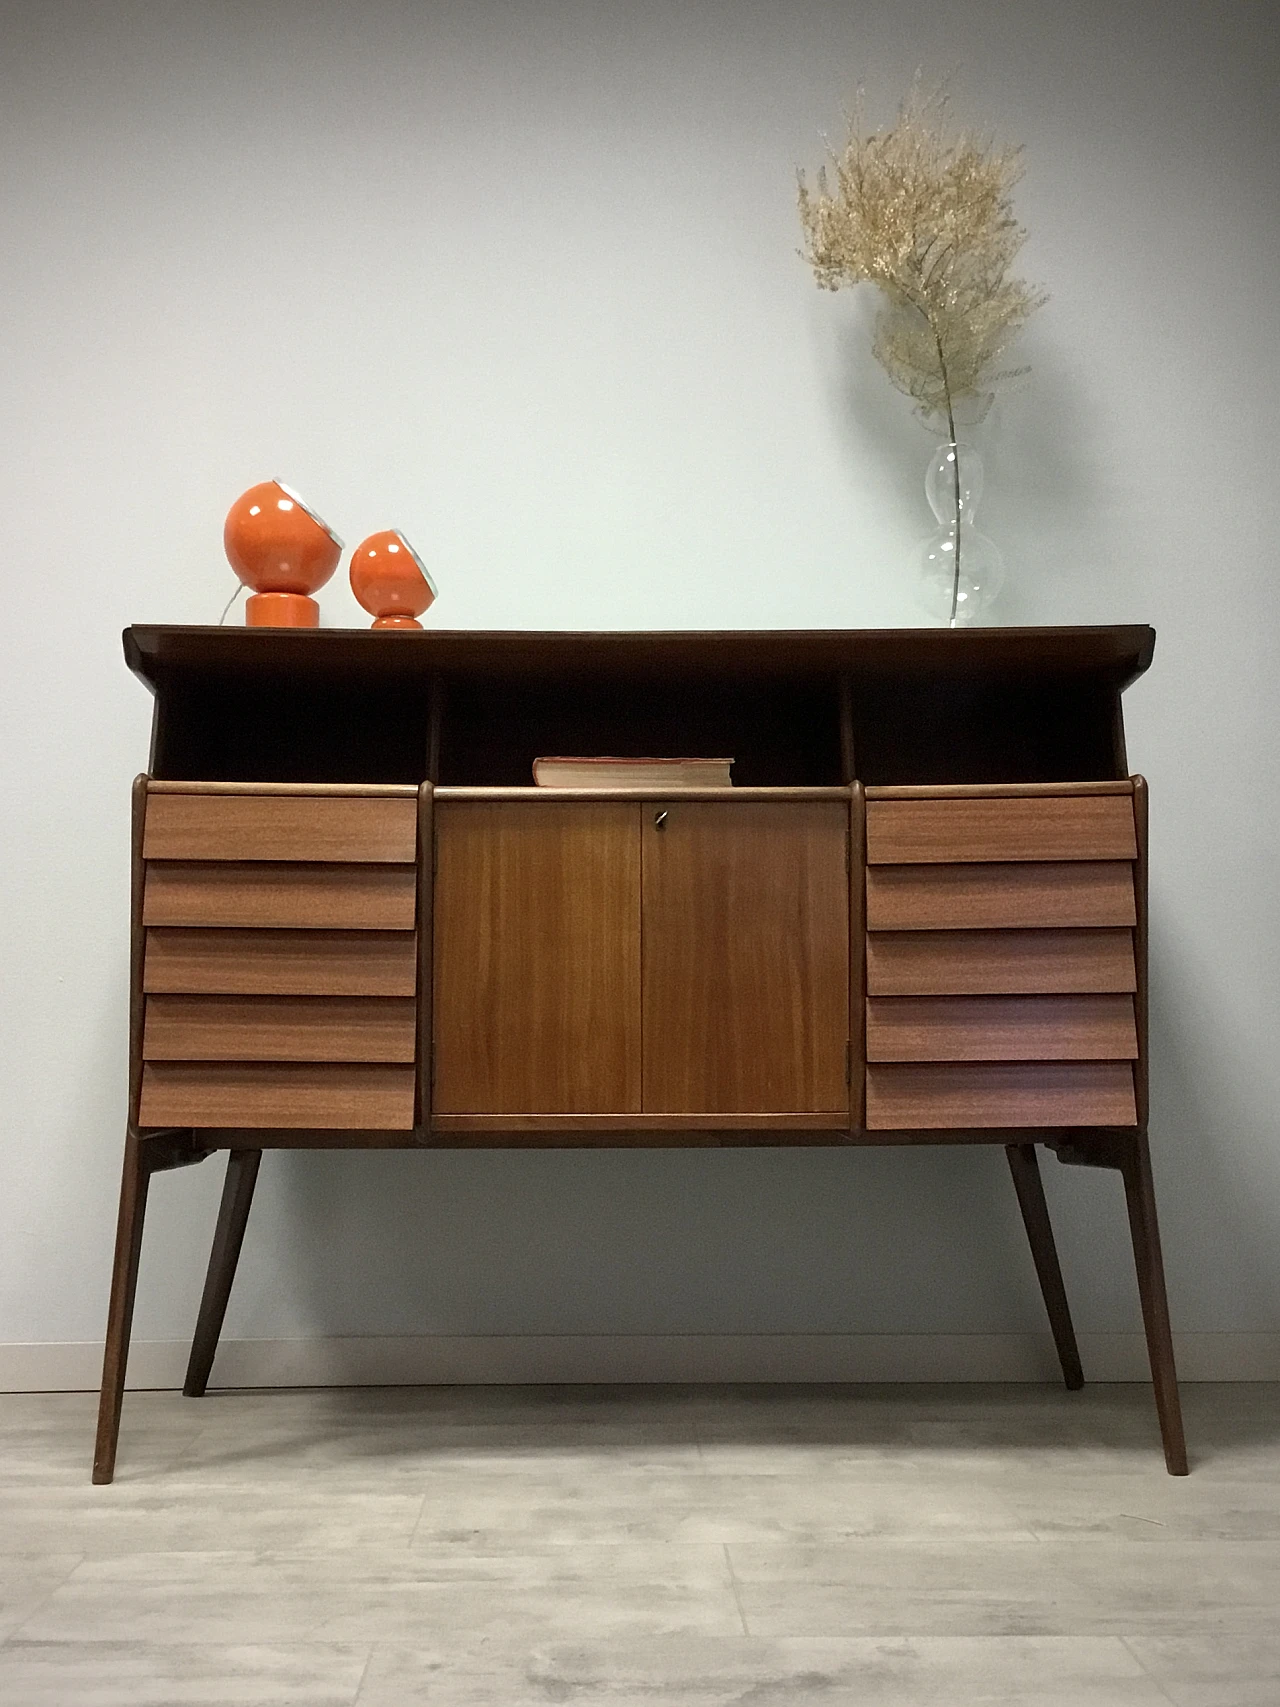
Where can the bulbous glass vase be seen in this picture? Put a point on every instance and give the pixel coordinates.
(960, 570)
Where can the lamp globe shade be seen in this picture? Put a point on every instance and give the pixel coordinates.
(390, 580)
(280, 547)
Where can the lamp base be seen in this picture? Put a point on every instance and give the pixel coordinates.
(402, 622)
(281, 610)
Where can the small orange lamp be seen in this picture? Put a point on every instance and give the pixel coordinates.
(391, 581)
(279, 546)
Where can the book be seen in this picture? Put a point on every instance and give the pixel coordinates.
(632, 773)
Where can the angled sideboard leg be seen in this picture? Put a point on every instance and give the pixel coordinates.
(233, 1214)
(1130, 1154)
(1035, 1217)
(155, 1153)
(1135, 1169)
(124, 1285)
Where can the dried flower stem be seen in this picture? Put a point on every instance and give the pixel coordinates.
(955, 477)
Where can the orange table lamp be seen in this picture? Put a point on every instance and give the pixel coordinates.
(279, 546)
(391, 581)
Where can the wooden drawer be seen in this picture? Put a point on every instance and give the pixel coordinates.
(377, 829)
(283, 896)
(1000, 1094)
(997, 897)
(186, 1093)
(998, 963)
(281, 963)
(279, 1028)
(959, 830)
(1001, 1028)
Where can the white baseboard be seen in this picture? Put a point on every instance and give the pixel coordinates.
(508, 1359)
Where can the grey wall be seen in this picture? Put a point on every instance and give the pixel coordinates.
(522, 279)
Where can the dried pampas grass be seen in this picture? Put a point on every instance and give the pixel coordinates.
(929, 218)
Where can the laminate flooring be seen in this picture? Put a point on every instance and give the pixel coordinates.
(635, 1547)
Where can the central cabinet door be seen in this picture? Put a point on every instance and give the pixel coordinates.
(537, 957)
(641, 957)
(746, 957)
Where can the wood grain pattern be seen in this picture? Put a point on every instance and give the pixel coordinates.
(746, 956)
(996, 897)
(550, 1127)
(1001, 1028)
(991, 790)
(424, 994)
(228, 1238)
(537, 957)
(967, 828)
(130, 1217)
(577, 796)
(1025, 1170)
(158, 653)
(1144, 1228)
(1142, 1072)
(999, 963)
(280, 963)
(313, 790)
(844, 712)
(279, 1028)
(284, 896)
(857, 956)
(137, 947)
(378, 829)
(1000, 1095)
(282, 1094)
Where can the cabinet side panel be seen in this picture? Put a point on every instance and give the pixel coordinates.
(1142, 1070)
(537, 958)
(746, 957)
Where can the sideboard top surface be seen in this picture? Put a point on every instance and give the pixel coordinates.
(793, 708)
(1117, 653)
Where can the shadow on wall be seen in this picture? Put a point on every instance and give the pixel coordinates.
(637, 1242)
(1048, 501)
(1215, 1231)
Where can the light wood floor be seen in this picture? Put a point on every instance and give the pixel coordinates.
(760, 1547)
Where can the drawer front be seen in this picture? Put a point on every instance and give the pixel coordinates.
(279, 1028)
(280, 896)
(1000, 1094)
(266, 963)
(1064, 894)
(1001, 1028)
(967, 830)
(186, 1093)
(992, 963)
(374, 829)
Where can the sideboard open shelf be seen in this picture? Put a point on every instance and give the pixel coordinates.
(919, 916)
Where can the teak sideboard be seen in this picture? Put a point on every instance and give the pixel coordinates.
(919, 916)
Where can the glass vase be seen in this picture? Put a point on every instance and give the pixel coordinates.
(960, 570)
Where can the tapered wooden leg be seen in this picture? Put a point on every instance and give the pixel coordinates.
(1035, 1218)
(124, 1286)
(1140, 1196)
(237, 1196)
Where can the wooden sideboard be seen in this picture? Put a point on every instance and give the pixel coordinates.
(919, 916)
